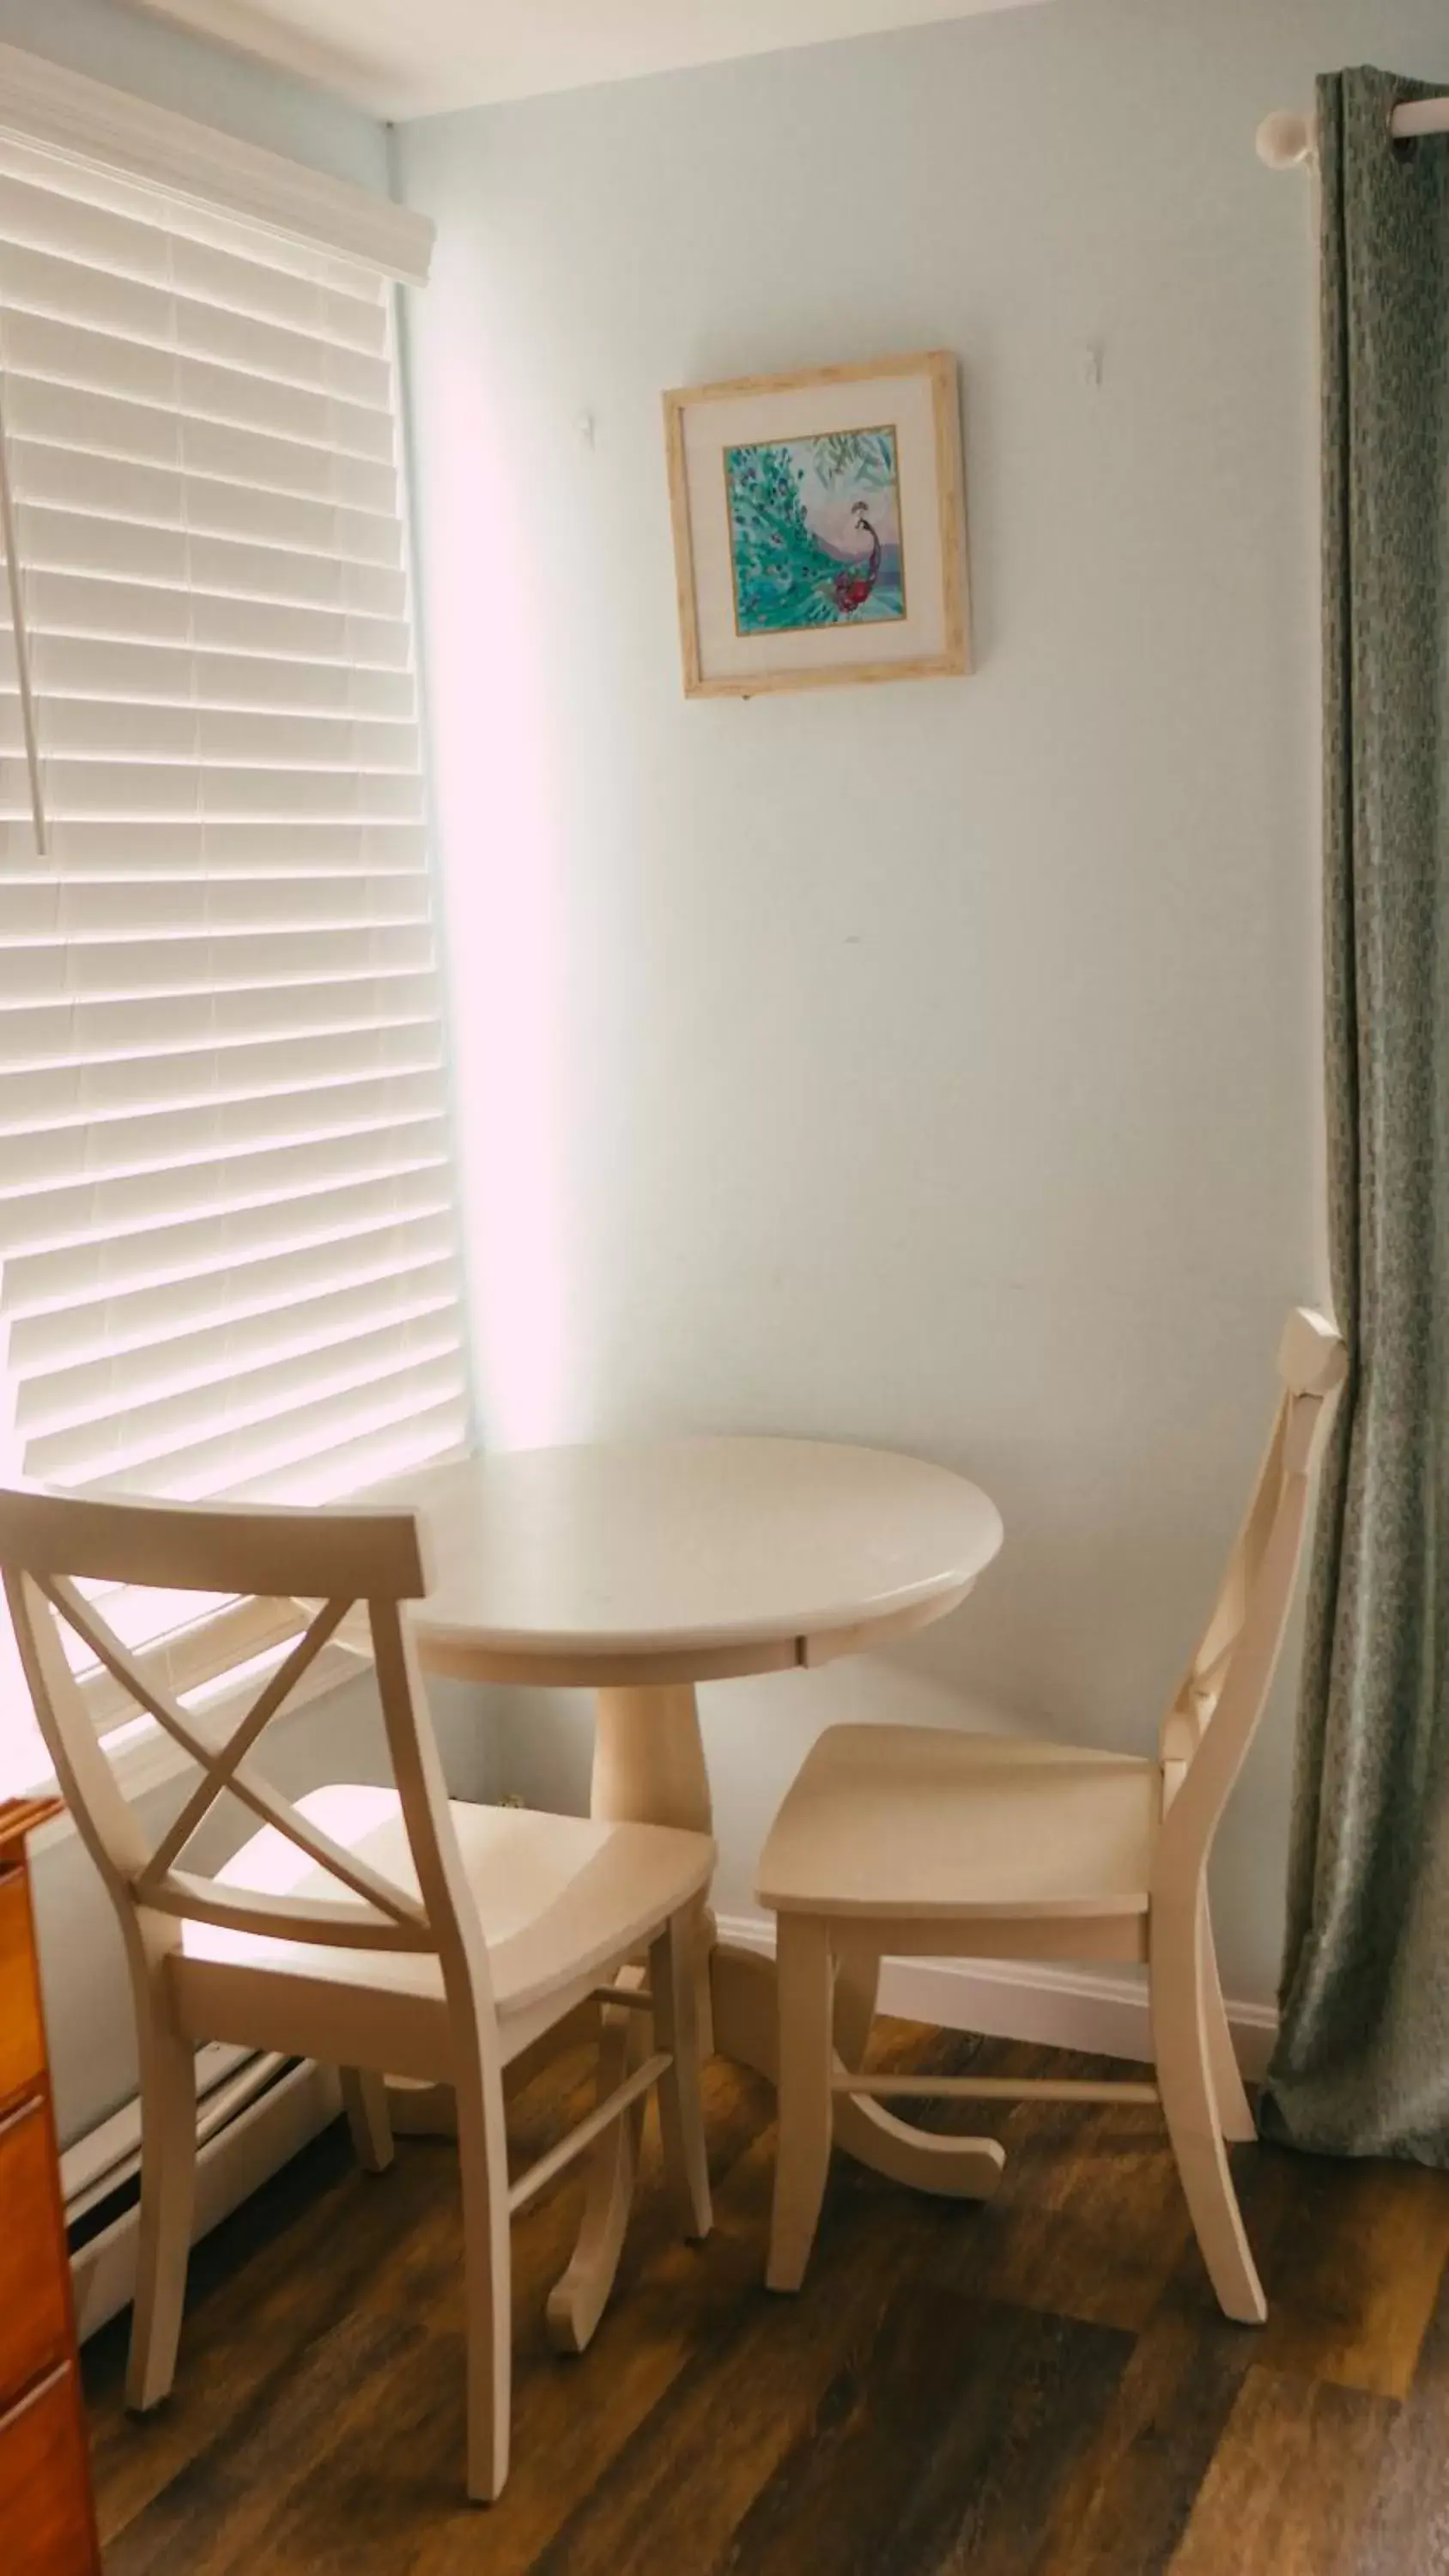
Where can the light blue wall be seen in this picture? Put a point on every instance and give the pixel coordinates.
(159, 62)
(933, 1065)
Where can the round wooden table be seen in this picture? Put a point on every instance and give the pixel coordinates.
(641, 1570)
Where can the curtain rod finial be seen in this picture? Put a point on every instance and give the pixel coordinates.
(1286, 140)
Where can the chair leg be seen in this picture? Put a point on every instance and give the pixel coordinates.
(673, 1978)
(483, 2164)
(806, 2104)
(1234, 2109)
(1181, 2041)
(857, 1980)
(168, 2192)
(364, 2099)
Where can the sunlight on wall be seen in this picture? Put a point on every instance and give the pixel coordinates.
(494, 761)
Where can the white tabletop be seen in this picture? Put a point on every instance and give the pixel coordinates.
(666, 1560)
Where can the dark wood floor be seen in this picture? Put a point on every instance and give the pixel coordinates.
(1042, 2384)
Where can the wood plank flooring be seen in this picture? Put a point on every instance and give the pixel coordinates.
(1038, 2387)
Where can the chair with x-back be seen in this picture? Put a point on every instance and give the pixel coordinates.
(931, 1843)
(372, 1928)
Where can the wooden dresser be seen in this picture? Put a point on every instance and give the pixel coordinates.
(47, 2521)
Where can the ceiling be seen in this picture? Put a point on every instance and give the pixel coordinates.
(401, 58)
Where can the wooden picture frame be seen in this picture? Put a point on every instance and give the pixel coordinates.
(819, 527)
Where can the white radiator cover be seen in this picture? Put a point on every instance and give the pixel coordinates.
(253, 2114)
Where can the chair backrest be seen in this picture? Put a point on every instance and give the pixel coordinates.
(1219, 1701)
(51, 1545)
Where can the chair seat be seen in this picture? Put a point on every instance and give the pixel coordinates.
(915, 1821)
(558, 1897)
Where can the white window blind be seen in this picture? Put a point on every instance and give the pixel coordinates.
(228, 1259)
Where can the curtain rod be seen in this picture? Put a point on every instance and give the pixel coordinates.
(1286, 140)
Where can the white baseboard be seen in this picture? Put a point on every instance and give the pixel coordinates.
(1017, 1999)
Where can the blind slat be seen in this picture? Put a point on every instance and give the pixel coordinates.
(86, 485)
(94, 1095)
(167, 1442)
(76, 1395)
(162, 675)
(76, 604)
(120, 245)
(103, 789)
(176, 1140)
(138, 969)
(214, 1243)
(63, 416)
(66, 1216)
(190, 218)
(109, 1326)
(181, 559)
(276, 264)
(157, 850)
(406, 1435)
(98, 1032)
(320, 1449)
(69, 354)
(218, 737)
(160, 316)
(79, 915)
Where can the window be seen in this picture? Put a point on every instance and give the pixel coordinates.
(228, 1243)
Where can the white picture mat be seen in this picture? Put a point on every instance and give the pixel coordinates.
(905, 403)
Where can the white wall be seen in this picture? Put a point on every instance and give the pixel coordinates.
(934, 1065)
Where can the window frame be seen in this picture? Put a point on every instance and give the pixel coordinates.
(77, 120)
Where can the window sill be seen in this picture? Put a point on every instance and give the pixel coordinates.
(150, 1758)
(146, 1764)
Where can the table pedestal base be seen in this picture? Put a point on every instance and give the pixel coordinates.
(745, 2029)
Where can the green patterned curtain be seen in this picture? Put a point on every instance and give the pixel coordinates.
(1362, 2066)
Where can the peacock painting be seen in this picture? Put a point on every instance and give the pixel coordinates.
(815, 531)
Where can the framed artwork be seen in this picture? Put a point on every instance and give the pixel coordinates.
(819, 528)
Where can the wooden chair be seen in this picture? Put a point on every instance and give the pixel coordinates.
(930, 1843)
(370, 1928)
